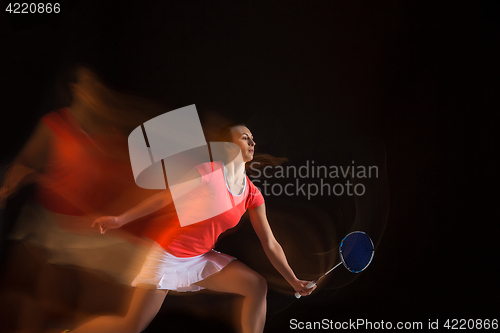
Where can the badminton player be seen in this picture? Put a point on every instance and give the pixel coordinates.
(182, 257)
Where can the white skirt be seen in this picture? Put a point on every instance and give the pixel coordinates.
(166, 271)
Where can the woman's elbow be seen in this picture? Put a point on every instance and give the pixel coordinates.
(272, 245)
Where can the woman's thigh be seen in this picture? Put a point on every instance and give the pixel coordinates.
(236, 278)
(145, 304)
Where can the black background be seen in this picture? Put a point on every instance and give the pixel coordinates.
(420, 77)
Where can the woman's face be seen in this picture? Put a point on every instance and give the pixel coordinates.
(244, 139)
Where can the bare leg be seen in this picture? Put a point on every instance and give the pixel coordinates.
(237, 278)
(146, 303)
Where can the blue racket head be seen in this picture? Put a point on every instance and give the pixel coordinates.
(356, 251)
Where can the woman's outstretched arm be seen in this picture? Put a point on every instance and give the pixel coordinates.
(274, 251)
(146, 207)
(151, 204)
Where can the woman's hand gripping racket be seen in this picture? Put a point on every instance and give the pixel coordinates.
(356, 251)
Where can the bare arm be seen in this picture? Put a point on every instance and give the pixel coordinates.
(150, 205)
(274, 251)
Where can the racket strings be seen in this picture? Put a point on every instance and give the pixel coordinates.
(356, 251)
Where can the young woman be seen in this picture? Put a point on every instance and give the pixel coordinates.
(183, 258)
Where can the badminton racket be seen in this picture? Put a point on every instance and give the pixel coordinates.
(356, 252)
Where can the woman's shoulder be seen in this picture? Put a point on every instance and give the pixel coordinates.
(205, 168)
(251, 186)
(210, 167)
(57, 115)
(255, 197)
(57, 119)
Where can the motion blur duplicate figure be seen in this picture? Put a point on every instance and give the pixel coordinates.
(78, 159)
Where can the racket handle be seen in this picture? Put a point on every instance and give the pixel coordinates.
(308, 286)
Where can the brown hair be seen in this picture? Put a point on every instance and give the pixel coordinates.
(262, 160)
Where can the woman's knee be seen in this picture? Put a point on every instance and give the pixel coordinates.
(131, 326)
(257, 286)
(137, 328)
(262, 284)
